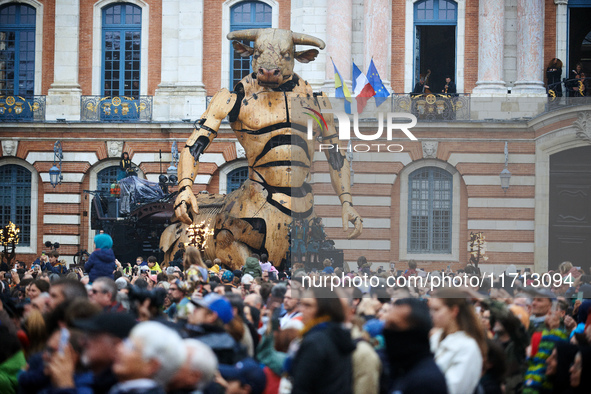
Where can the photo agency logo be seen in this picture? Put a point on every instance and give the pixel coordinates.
(395, 122)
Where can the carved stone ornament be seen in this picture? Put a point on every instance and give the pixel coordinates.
(9, 147)
(583, 126)
(430, 149)
(114, 148)
(240, 152)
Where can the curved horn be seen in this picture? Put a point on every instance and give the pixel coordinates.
(305, 39)
(248, 34)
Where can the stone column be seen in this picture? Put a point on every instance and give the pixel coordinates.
(181, 93)
(339, 35)
(530, 48)
(561, 33)
(63, 97)
(377, 41)
(491, 42)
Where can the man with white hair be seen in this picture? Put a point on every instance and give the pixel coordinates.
(197, 372)
(147, 360)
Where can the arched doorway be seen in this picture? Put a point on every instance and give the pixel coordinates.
(570, 207)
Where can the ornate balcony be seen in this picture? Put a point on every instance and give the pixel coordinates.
(433, 107)
(22, 109)
(116, 109)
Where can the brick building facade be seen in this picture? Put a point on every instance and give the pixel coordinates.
(495, 52)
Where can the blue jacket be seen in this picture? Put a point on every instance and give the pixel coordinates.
(59, 268)
(100, 263)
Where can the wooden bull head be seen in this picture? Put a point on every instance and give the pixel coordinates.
(274, 52)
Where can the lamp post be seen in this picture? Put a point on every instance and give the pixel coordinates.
(505, 174)
(55, 172)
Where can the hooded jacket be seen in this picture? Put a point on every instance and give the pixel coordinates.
(253, 267)
(323, 362)
(100, 263)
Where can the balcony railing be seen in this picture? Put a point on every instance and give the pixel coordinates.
(433, 107)
(116, 109)
(22, 109)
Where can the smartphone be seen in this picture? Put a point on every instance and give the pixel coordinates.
(64, 339)
(527, 270)
(153, 272)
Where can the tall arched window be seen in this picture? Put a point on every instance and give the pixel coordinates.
(122, 24)
(246, 15)
(15, 199)
(236, 178)
(430, 211)
(435, 41)
(105, 178)
(17, 50)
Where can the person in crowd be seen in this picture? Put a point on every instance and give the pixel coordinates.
(558, 365)
(147, 360)
(323, 363)
(328, 269)
(103, 333)
(102, 261)
(541, 306)
(54, 265)
(198, 370)
(35, 288)
(580, 371)
(153, 265)
(412, 269)
(291, 307)
(554, 77)
(252, 267)
(245, 377)
(406, 334)
(178, 294)
(103, 292)
(12, 359)
(207, 323)
(65, 290)
(459, 343)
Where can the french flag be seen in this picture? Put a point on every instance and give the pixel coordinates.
(361, 88)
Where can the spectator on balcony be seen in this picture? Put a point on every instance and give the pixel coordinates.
(573, 80)
(450, 86)
(553, 75)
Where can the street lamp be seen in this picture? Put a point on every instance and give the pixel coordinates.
(55, 172)
(505, 174)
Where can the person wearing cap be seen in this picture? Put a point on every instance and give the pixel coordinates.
(177, 292)
(206, 323)
(540, 307)
(104, 332)
(245, 377)
(102, 261)
(147, 360)
(198, 371)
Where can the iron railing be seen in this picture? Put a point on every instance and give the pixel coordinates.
(433, 107)
(116, 109)
(22, 109)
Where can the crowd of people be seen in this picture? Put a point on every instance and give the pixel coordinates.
(193, 326)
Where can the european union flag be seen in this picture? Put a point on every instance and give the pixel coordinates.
(376, 83)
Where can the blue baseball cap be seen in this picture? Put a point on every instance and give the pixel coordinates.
(247, 371)
(216, 303)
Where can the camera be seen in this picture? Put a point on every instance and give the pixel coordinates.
(156, 296)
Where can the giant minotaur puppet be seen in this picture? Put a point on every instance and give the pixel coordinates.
(257, 217)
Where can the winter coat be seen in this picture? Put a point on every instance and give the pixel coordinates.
(253, 267)
(323, 363)
(100, 263)
(9, 369)
(459, 358)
